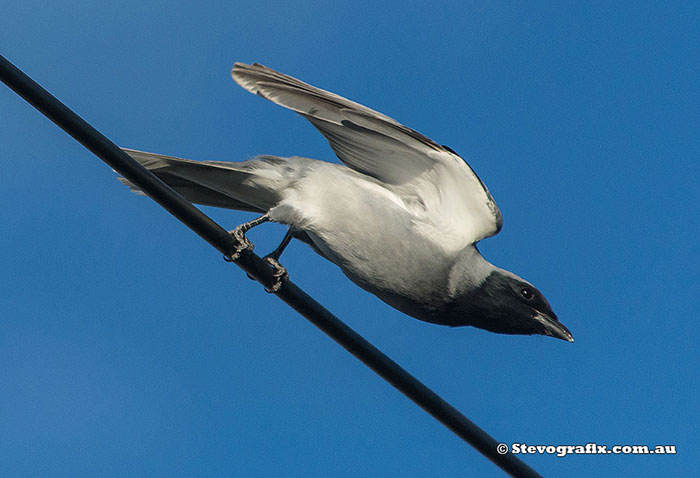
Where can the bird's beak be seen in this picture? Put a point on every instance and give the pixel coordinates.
(554, 328)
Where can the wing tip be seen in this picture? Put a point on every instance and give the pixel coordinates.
(237, 71)
(239, 65)
(240, 69)
(247, 75)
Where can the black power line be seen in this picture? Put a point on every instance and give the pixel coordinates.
(299, 300)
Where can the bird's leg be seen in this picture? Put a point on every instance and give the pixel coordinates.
(275, 255)
(239, 235)
(279, 273)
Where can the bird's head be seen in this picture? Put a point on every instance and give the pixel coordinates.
(504, 303)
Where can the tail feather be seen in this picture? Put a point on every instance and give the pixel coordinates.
(196, 194)
(232, 185)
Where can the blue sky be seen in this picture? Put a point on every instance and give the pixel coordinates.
(128, 347)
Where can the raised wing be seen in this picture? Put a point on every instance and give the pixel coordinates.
(379, 146)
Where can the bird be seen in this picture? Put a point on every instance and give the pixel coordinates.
(401, 216)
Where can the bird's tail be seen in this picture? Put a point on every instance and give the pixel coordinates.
(253, 185)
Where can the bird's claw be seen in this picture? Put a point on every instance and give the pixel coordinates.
(243, 244)
(279, 273)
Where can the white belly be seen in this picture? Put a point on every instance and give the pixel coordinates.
(366, 230)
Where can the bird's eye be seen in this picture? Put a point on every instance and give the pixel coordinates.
(527, 293)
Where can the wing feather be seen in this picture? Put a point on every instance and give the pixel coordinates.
(379, 146)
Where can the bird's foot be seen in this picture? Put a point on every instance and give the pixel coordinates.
(243, 244)
(279, 274)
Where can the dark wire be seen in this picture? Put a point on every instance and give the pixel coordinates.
(215, 235)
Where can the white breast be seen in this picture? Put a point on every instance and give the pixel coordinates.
(367, 229)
